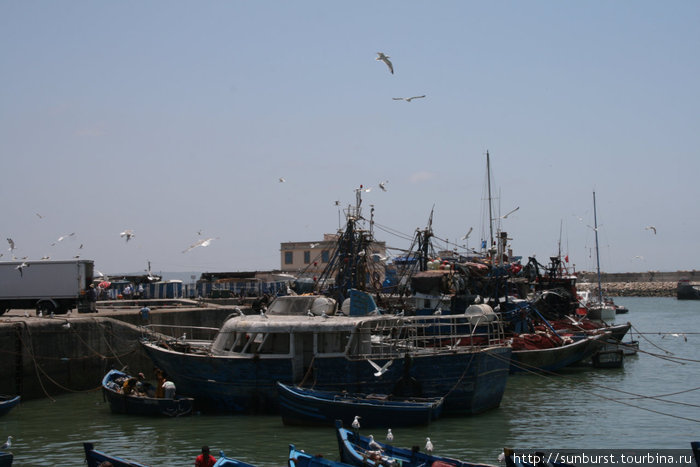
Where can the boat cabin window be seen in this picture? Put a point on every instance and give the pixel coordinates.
(256, 342)
(334, 342)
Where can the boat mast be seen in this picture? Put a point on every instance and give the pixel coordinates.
(488, 183)
(597, 253)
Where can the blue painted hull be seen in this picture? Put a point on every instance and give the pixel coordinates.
(224, 461)
(302, 459)
(94, 458)
(142, 405)
(472, 382)
(8, 403)
(301, 406)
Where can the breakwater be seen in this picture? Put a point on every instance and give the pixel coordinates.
(636, 284)
(44, 357)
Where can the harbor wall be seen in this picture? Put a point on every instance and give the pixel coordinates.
(636, 284)
(44, 357)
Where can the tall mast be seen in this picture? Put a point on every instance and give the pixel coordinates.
(488, 182)
(597, 253)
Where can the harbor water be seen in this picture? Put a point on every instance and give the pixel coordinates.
(650, 403)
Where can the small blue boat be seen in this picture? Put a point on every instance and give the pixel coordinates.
(301, 459)
(224, 461)
(303, 406)
(94, 458)
(7, 403)
(356, 450)
(143, 403)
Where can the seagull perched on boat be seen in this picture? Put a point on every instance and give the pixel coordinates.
(408, 99)
(380, 370)
(428, 446)
(129, 234)
(356, 424)
(66, 325)
(385, 58)
(373, 445)
(652, 228)
(389, 435)
(262, 313)
(8, 444)
(382, 185)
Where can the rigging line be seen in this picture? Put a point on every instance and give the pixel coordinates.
(36, 364)
(649, 341)
(667, 394)
(393, 232)
(552, 376)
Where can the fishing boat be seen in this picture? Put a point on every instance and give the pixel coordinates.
(685, 290)
(373, 354)
(95, 458)
(141, 401)
(302, 406)
(362, 451)
(7, 403)
(597, 308)
(539, 358)
(298, 458)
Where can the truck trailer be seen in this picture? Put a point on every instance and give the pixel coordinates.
(47, 286)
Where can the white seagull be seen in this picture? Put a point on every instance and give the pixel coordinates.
(8, 444)
(385, 59)
(468, 233)
(282, 180)
(389, 435)
(356, 423)
(203, 243)
(129, 234)
(21, 267)
(408, 99)
(380, 370)
(511, 212)
(373, 445)
(382, 185)
(652, 228)
(428, 446)
(12, 244)
(63, 237)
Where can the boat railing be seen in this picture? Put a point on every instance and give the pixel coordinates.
(190, 334)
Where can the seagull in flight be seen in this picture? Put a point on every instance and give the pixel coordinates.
(21, 267)
(202, 243)
(408, 99)
(129, 234)
(12, 244)
(468, 233)
(380, 370)
(39, 215)
(382, 185)
(511, 212)
(282, 180)
(385, 58)
(63, 237)
(652, 228)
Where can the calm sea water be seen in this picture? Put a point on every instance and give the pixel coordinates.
(651, 403)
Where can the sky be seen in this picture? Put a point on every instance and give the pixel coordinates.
(176, 119)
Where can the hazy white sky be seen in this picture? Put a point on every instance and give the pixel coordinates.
(170, 117)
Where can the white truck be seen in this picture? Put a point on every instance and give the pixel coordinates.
(47, 286)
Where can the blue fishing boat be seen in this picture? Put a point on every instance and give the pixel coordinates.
(7, 403)
(224, 461)
(303, 406)
(141, 401)
(94, 458)
(239, 369)
(299, 458)
(362, 451)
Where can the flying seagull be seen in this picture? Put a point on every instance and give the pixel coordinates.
(652, 228)
(408, 99)
(385, 59)
(511, 212)
(382, 185)
(380, 370)
(129, 234)
(282, 180)
(468, 233)
(39, 215)
(63, 237)
(21, 267)
(12, 244)
(202, 243)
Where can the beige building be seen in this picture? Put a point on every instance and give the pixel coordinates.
(312, 257)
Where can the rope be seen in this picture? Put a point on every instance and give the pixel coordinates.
(36, 365)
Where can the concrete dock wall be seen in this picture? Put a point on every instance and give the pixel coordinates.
(44, 357)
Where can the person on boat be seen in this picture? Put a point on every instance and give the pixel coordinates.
(205, 459)
(144, 313)
(169, 389)
(129, 386)
(160, 379)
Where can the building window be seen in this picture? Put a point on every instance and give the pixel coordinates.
(288, 257)
(307, 257)
(325, 256)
